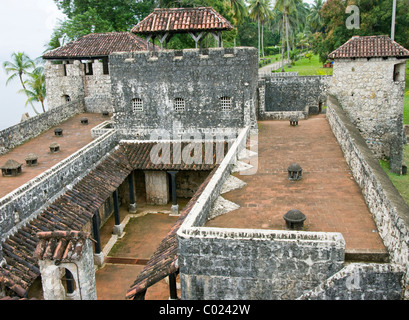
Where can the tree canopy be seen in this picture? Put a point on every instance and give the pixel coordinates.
(320, 25)
(375, 19)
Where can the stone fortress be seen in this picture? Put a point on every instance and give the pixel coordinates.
(186, 123)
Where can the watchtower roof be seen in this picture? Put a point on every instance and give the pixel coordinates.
(98, 45)
(369, 47)
(181, 20)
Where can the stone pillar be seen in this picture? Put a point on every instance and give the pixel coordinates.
(172, 287)
(71, 256)
(98, 254)
(132, 203)
(175, 206)
(157, 187)
(118, 229)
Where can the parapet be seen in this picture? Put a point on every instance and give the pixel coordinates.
(169, 55)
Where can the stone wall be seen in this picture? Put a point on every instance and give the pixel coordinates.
(67, 80)
(389, 210)
(371, 93)
(218, 263)
(283, 96)
(82, 271)
(29, 199)
(188, 182)
(359, 281)
(32, 127)
(256, 264)
(156, 83)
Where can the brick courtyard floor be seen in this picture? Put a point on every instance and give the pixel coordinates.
(75, 136)
(327, 194)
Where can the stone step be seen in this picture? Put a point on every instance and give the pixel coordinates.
(364, 255)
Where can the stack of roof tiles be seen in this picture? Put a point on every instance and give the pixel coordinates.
(97, 45)
(73, 210)
(178, 20)
(61, 245)
(369, 47)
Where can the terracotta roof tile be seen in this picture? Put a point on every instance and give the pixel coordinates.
(60, 245)
(74, 210)
(182, 20)
(369, 47)
(98, 45)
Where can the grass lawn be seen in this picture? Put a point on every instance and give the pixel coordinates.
(306, 67)
(401, 183)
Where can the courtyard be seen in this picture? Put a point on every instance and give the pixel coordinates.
(327, 194)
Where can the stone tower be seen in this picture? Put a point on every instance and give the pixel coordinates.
(369, 82)
(67, 265)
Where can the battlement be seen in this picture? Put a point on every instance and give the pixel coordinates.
(178, 55)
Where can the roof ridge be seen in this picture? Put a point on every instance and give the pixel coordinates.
(369, 47)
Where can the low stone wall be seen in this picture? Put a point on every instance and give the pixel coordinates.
(222, 263)
(250, 264)
(359, 281)
(283, 96)
(32, 127)
(390, 211)
(27, 201)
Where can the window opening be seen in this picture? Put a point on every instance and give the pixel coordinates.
(88, 68)
(137, 105)
(179, 105)
(105, 66)
(226, 103)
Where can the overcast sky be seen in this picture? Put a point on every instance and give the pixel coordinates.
(26, 25)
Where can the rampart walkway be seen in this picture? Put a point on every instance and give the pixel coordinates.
(327, 194)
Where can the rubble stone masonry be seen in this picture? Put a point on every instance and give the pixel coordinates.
(371, 91)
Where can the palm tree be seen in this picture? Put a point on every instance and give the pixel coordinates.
(259, 11)
(239, 10)
(35, 88)
(19, 66)
(286, 7)
(314, 17)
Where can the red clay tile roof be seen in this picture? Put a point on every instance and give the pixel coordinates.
(97, 45)
(179, 20)
(73, 210)
(369, 47)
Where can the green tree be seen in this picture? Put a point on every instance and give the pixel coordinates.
(375, 19)
(19, 66)
(95, 16)
(259, 11)
(239, 10)
(35, 88)
(287, 8)
(314, 18)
